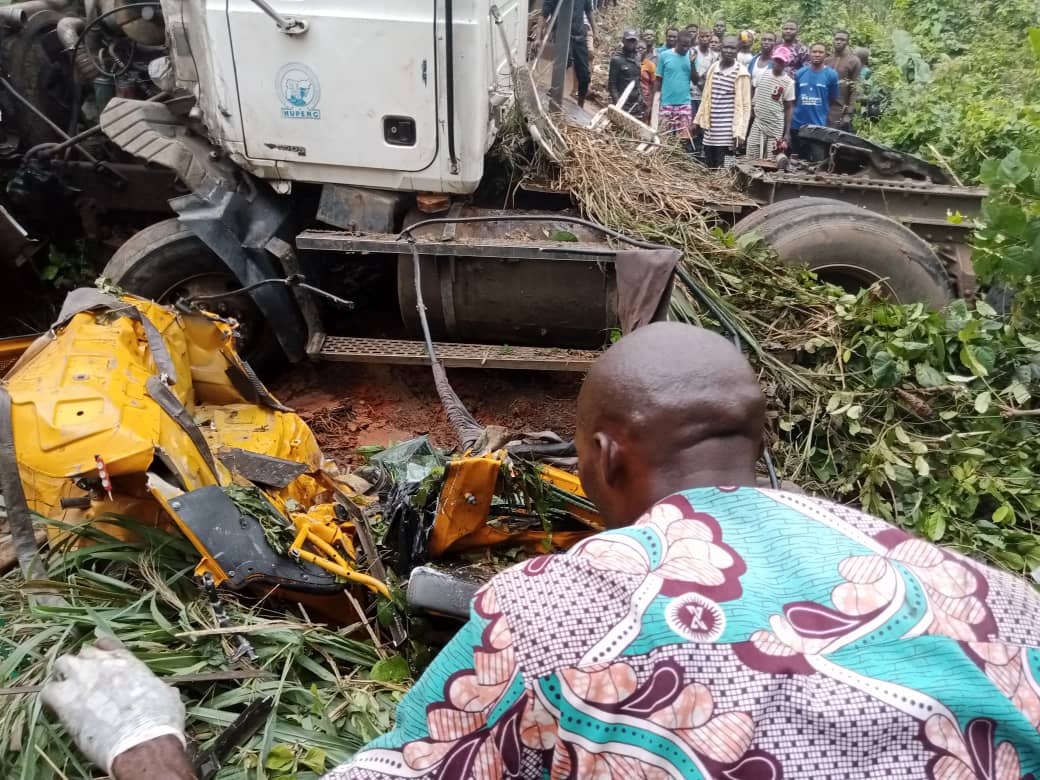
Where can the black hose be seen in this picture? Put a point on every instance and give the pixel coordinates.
(466, 428)
(90, 25)
(295, 280)
(53, 147)
(43, 117)
(724, 319)
(111, 53)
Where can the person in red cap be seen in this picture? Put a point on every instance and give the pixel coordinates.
(771, 109)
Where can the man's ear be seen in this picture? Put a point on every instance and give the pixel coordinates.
(611, 466)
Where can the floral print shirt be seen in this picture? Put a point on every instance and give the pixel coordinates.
(732, 633)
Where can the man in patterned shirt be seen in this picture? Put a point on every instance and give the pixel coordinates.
(722, 632)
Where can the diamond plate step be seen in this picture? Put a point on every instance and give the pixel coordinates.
(413, 353)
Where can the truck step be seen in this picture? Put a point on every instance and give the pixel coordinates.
(413, 353)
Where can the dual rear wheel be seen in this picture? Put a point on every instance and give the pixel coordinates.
(852, 248)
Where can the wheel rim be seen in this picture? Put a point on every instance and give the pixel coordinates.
(240, 307)
(853, 278)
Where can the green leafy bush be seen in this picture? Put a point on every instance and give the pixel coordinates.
(1007, 243)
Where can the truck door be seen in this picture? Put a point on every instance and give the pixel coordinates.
(357, 89)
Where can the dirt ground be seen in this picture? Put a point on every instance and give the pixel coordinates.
(352, 405)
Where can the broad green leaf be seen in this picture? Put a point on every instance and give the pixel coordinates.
(934, 526)
(281, 759)
(314, 759)
(392, 670)
(982, 402)
(927, 376)
(1013, 168)
(985, 309)
(1012, 560)
(563, 235)
(921, 466)
(1029, 342)
(1034, 41)
(1018, 391)
(885, 370)
(1004, 514)
(970, 358)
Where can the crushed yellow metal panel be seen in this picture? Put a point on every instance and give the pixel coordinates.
(82, 393)
(465, 501)
(464, 509)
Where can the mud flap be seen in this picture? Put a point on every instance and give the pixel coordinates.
(236, 544)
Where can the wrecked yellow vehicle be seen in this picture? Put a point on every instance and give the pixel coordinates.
(126, 407)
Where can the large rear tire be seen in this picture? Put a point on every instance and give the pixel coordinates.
(753, 222)
(167, 262)
(853, 248)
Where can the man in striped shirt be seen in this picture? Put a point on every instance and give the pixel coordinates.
(771, 108)
(725, 107)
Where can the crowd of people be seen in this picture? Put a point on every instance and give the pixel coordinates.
(724, 95)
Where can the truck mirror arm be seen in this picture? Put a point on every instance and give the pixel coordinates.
(286, 24)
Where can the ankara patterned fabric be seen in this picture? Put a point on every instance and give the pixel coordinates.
(737, 634)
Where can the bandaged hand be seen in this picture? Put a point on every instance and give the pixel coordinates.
(110, 702)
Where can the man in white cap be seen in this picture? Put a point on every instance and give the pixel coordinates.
(771, 109)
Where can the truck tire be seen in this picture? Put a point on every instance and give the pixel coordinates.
(166, 261)
(753, 222)
(854, 248)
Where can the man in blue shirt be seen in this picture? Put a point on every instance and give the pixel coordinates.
(816, 87)
(674, 70)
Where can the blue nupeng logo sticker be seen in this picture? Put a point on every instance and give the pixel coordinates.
(298, 91)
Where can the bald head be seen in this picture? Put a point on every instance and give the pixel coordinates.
(668, 408)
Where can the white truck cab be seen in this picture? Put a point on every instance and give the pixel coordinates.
(386, 94)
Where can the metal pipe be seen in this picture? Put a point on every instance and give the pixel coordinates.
(17, 14)
(68, 30)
